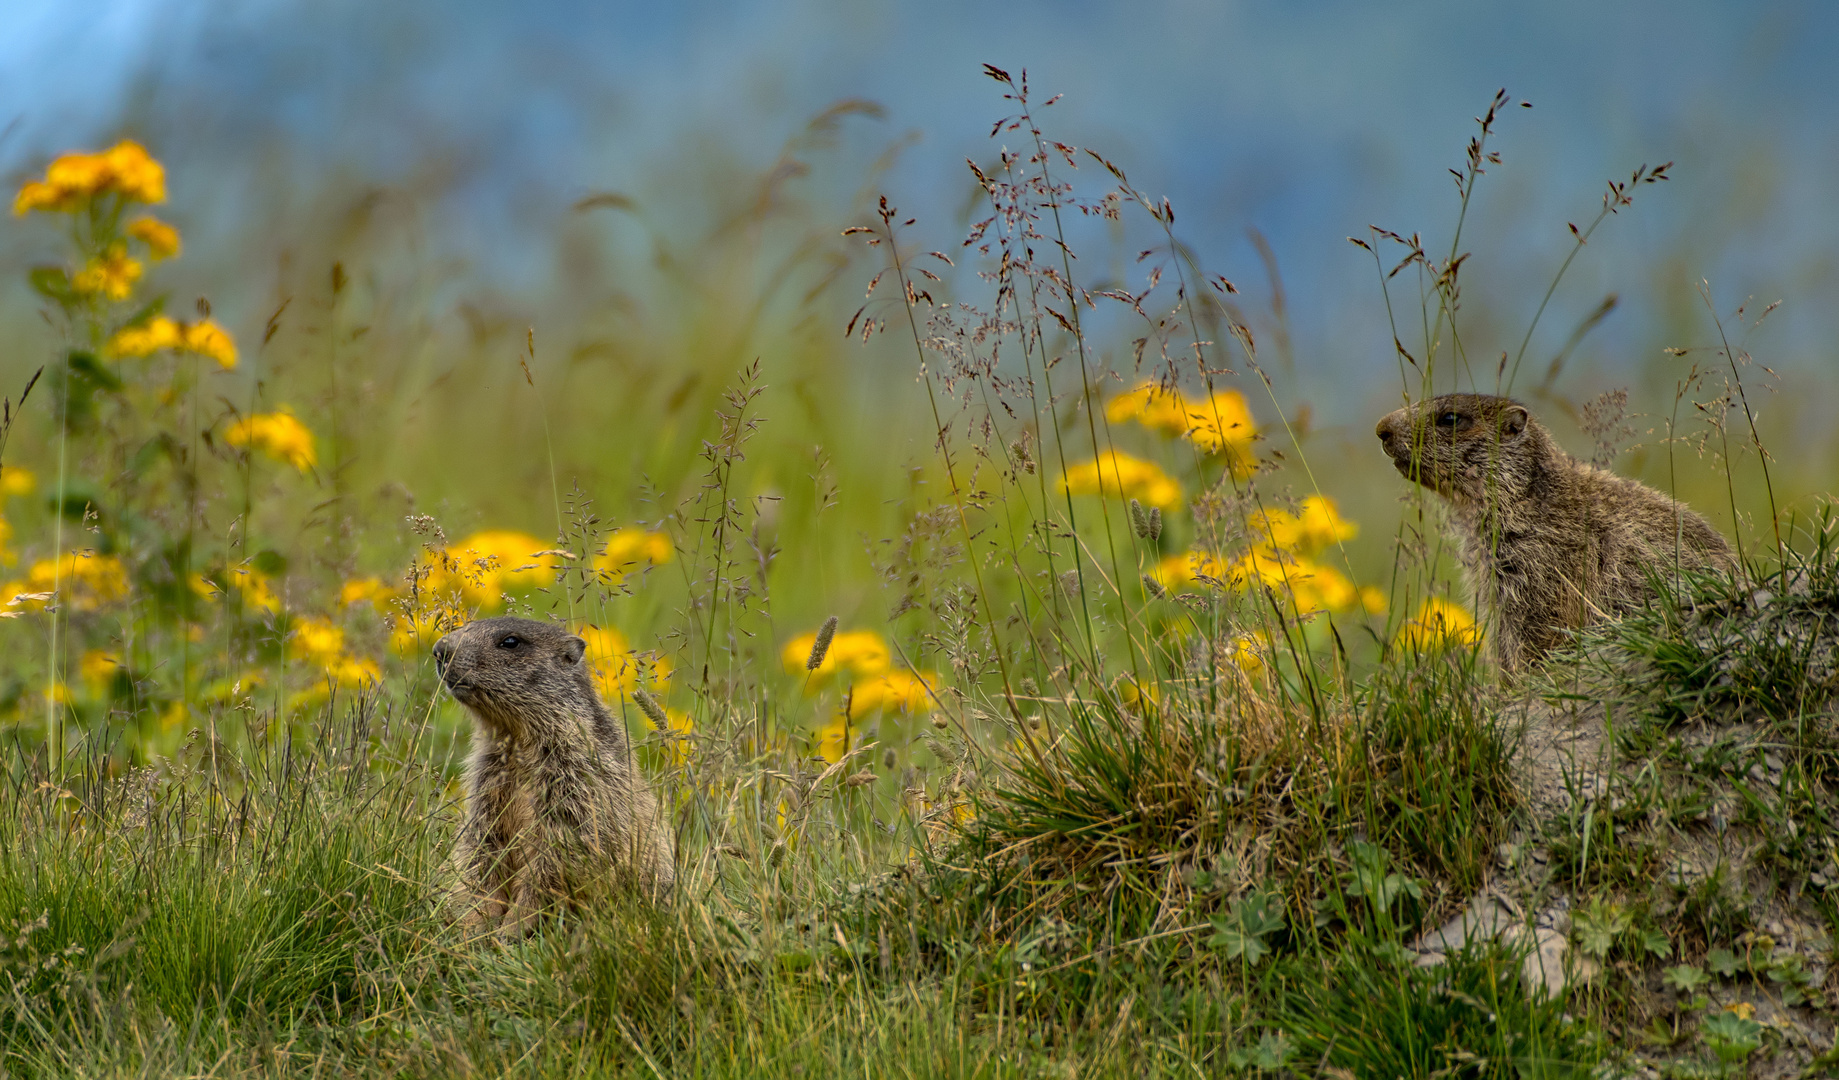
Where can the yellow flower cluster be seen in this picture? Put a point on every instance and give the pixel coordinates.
(1438, 623)
(1220, 423)
(87, 580)
(1117, 475)
(162, 240)
(112, 274)
(483, 566)
(278, 435)
(1283, 561)
(1319, 525)
(618, 670)
(126, 169)
(159, 333)
(97, 667)
(416, 631)
(627, 548)
(863, 659)
(320, 643)
(859, 652)
(256, 588)
(366, 590)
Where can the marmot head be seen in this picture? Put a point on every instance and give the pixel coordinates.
(508, 671)
(1464, 446)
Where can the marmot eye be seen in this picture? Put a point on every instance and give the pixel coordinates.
(510, 641)
(1449, 419)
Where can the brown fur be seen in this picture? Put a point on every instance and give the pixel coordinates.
(554, 802)
(1550, 544)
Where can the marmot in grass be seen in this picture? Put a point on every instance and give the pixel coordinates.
(555, 805)
(1550, 544)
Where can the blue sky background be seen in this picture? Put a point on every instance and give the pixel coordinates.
(1306, 120)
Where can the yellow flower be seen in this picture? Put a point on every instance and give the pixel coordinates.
(1438, 623)
(1315, 587)
(126, 169)
(210, 340)
(416, 631)
(1149, 404)
(87, 580)
(861, 652)
(159, 333)
(256, 589)
(39, 195)
(679, 730)
(162, 240)
(1373, 599)
(893, 691)
(145, 338)
(1222, 423)
(278, 435)
(616, 668)
(366, 590)
(1117, 475)
(481, 567)
(832, 738)
(68, 181)
(98, 667)
(1246, 651)
(627, 548)
(348, 670)
(134, 173)
(112, 275)
(15, 480)
(176, 715)
(1318, 526)
(1186, 567)
(317, 640)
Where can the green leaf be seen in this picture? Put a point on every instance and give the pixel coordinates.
(52, 283)
(1730, 1036)
(1247, 922)
(1722, 961)
(1657, 943)
(1686, 978)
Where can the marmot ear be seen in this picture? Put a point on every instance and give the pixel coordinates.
(573, 649)
(1514, 419)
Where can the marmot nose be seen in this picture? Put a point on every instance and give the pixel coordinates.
(443, 652)
(1384, 431)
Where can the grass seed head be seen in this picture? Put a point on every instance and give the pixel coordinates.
(652, 710)
(1139, 521)
(822, 644)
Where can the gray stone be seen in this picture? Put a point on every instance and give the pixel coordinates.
(1484, 919)
(1545, 970)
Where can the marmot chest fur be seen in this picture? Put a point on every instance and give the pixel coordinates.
(1549, 543)
(554, 803)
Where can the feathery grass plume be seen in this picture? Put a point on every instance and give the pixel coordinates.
(652, 710)
(822, 644)
(1153, 587)
(1139, 521)
(1155, 524)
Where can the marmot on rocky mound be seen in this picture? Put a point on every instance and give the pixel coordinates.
(554, 802)
(1550, 544)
